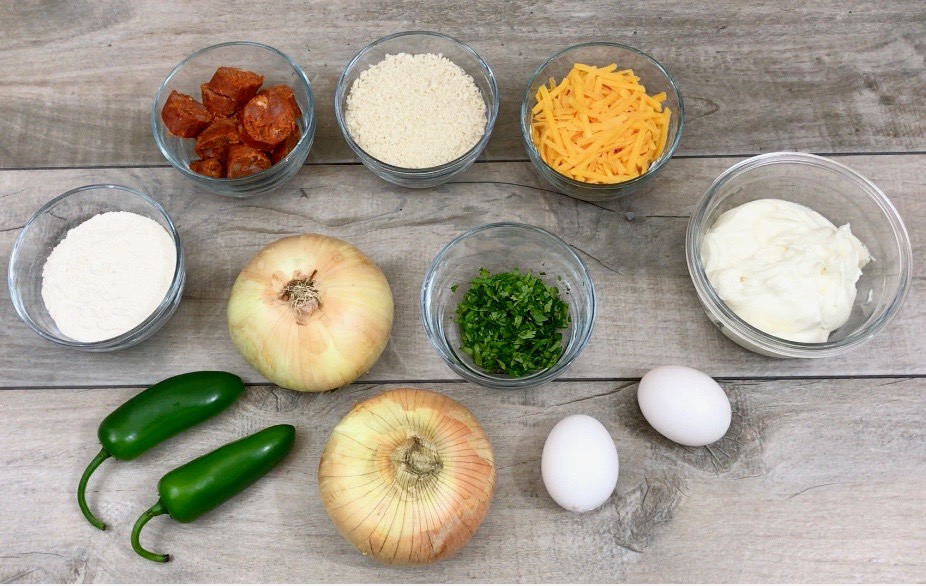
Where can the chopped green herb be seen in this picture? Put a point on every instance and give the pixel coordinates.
(512, 323)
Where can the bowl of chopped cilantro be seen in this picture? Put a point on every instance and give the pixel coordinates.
(508, 305)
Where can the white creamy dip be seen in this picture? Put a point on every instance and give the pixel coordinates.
(784, 269)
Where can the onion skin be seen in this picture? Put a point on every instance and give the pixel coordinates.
(407, 477)
(311, 348)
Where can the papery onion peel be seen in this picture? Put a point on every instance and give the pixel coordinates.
(310, 312)
(407, 476)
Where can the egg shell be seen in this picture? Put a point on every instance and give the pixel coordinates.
(685, 405)
(579, 463)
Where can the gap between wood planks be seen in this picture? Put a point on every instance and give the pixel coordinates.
(438, 381)
(523, 160)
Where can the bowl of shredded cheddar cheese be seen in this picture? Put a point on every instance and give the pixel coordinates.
(600, 120)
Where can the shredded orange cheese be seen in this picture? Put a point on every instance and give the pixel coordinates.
(599, 125)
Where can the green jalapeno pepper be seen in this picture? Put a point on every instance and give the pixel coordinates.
(156, 414)
(201, 485)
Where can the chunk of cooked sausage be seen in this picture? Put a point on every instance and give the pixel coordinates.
(244, 160)
(256, 144)
(213, 142)
(184, 116)
(266, 120)
(285, 147)
(285, 92)
(208, 167)
(218, 105)
(238, 84)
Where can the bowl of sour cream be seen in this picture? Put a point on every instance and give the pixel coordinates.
(797, 256)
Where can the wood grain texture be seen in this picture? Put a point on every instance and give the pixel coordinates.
(822, 476)
(648, 313)
(821, 480)
(826, 76)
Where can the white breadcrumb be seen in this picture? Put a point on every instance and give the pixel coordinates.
(415, 111)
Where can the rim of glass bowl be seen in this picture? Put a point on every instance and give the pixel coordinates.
(491, 110)
(478, 376)
(526, 104)
(307, 135)
(780, 346)
(116, 341)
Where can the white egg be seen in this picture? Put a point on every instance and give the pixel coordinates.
(684, 404)
(579, 463)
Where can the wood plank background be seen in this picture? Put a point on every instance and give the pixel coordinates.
(759, 505)
(758, 76)
(649, 313)
(822, 476)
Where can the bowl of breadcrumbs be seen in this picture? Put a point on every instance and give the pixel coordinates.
(417, 107)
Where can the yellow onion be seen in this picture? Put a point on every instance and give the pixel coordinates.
(407, 476)
(310, 312)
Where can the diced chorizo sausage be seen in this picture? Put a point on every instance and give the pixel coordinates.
(238, 84)
(213, 142)
(255, 144)
(285, 147)
(184, 116)
(208, 167)
(285, 92)
(244, 160)
(218, 105)
(266, 120)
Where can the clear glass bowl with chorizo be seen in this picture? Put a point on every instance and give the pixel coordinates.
(417, 107)
(237, 119)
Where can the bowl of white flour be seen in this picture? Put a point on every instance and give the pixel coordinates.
(98, 268)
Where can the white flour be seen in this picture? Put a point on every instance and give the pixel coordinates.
(108, 275)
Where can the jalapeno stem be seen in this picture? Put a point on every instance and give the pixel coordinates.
(157, 509)
(82, 489)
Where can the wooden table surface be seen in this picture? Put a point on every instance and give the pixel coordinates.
(822, 476)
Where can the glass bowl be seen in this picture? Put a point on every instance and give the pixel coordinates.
(599, 54)
(840, 195)
(414, 43)
(197, 69)
(49, 226)
(503, 247)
